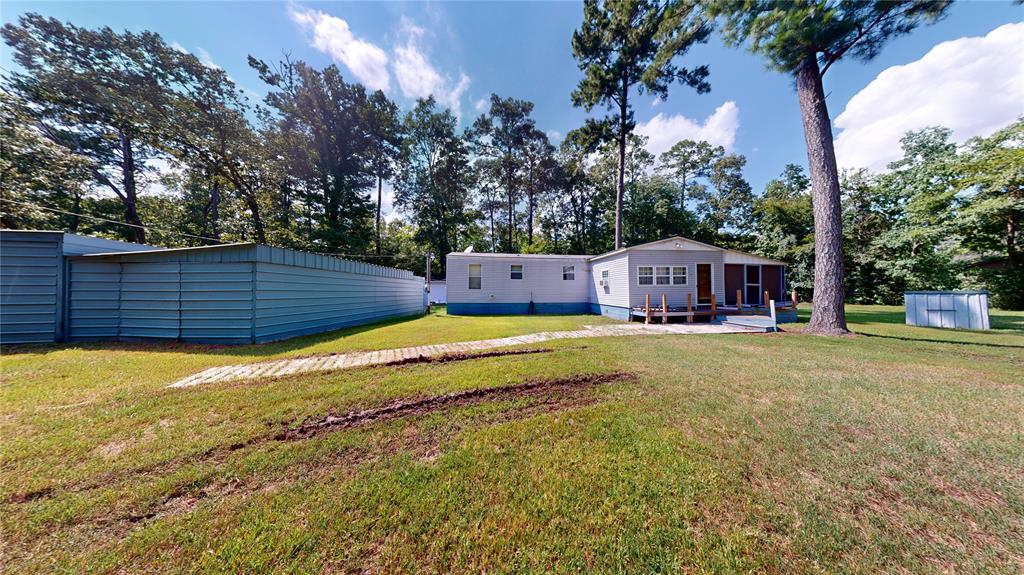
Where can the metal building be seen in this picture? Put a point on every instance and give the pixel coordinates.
(949, 309)
(234, 294)
(32, 281)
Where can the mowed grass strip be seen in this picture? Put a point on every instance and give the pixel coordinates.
(899, 449)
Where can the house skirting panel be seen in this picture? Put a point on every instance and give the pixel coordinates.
(612, 311)
(539, 308)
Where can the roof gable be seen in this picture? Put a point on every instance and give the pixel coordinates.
(686, 244)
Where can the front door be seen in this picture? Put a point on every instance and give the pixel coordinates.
(704, 284)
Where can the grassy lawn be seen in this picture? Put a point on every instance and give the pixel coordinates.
(899, 449)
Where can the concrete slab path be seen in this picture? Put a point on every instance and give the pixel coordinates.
(333, 362)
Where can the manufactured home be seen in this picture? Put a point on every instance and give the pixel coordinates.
(687, 273)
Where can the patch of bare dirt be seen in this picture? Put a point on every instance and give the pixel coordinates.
(111, 450)
(27, 496)
(414, 407)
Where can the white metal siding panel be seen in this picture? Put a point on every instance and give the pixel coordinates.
(293, 300)
(676, 295)
(617, 292)
(438, 292)
(956, 309)
(31, 286)
(542, 280)
(75, 244)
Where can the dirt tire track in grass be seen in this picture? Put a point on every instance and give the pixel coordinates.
(406, 408)
(542, 396)
(218, 452)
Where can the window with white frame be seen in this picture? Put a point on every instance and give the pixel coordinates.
(568, 273)
(604, 277)
(661, 275)
(516, 271)
(678, 275)
(474, 276)
(645, 275)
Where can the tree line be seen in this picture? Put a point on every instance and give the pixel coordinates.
(155, 146)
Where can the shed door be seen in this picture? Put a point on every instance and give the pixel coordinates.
(703, 283)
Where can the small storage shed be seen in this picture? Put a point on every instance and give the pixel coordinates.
(949, 309)
(234, 294)
(438, 291)
(32, 280)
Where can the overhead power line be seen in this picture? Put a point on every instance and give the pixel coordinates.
(109, 221)
(173, 232)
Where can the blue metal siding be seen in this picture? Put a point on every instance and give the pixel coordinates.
(216, 302)
(231, 294)
(203, 303)
(94, 299)
(31, 282)
(293, 300)
(150, 306)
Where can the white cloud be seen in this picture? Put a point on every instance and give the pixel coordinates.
(719, 129)
(206, 60)
(418, 78)
(554, 136)
(481, 105)
(388, 211)
(972, 85)
(332, 36)
(177, 46)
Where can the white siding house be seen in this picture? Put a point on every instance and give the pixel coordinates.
(483, 283)
(608, 284)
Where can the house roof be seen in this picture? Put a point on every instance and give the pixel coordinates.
(523, 256)
(675, 242)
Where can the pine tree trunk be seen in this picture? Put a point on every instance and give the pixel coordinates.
(529, 221)
(215, 209)
(620, 188)
(494, 237)
(828, 315)
(131, 215)
(380, 183)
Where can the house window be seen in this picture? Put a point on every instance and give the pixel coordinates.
(678, 275)
(474, 276)
(645, 275)
(661, 275)
(516, 271)
(568, 273)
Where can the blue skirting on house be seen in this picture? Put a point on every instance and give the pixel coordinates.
(539, 308)
(614, 312)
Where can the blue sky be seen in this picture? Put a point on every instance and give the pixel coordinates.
(973, 81)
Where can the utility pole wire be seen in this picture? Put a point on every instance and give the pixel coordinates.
(181, 233)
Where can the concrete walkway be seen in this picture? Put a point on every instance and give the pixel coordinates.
(355, 359)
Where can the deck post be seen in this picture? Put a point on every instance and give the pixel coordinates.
(794, 299)
(714, 307)
(689, 307)
(767, 296)
(739, 301)
(664, 309)
(771, 308)
(647, 308)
